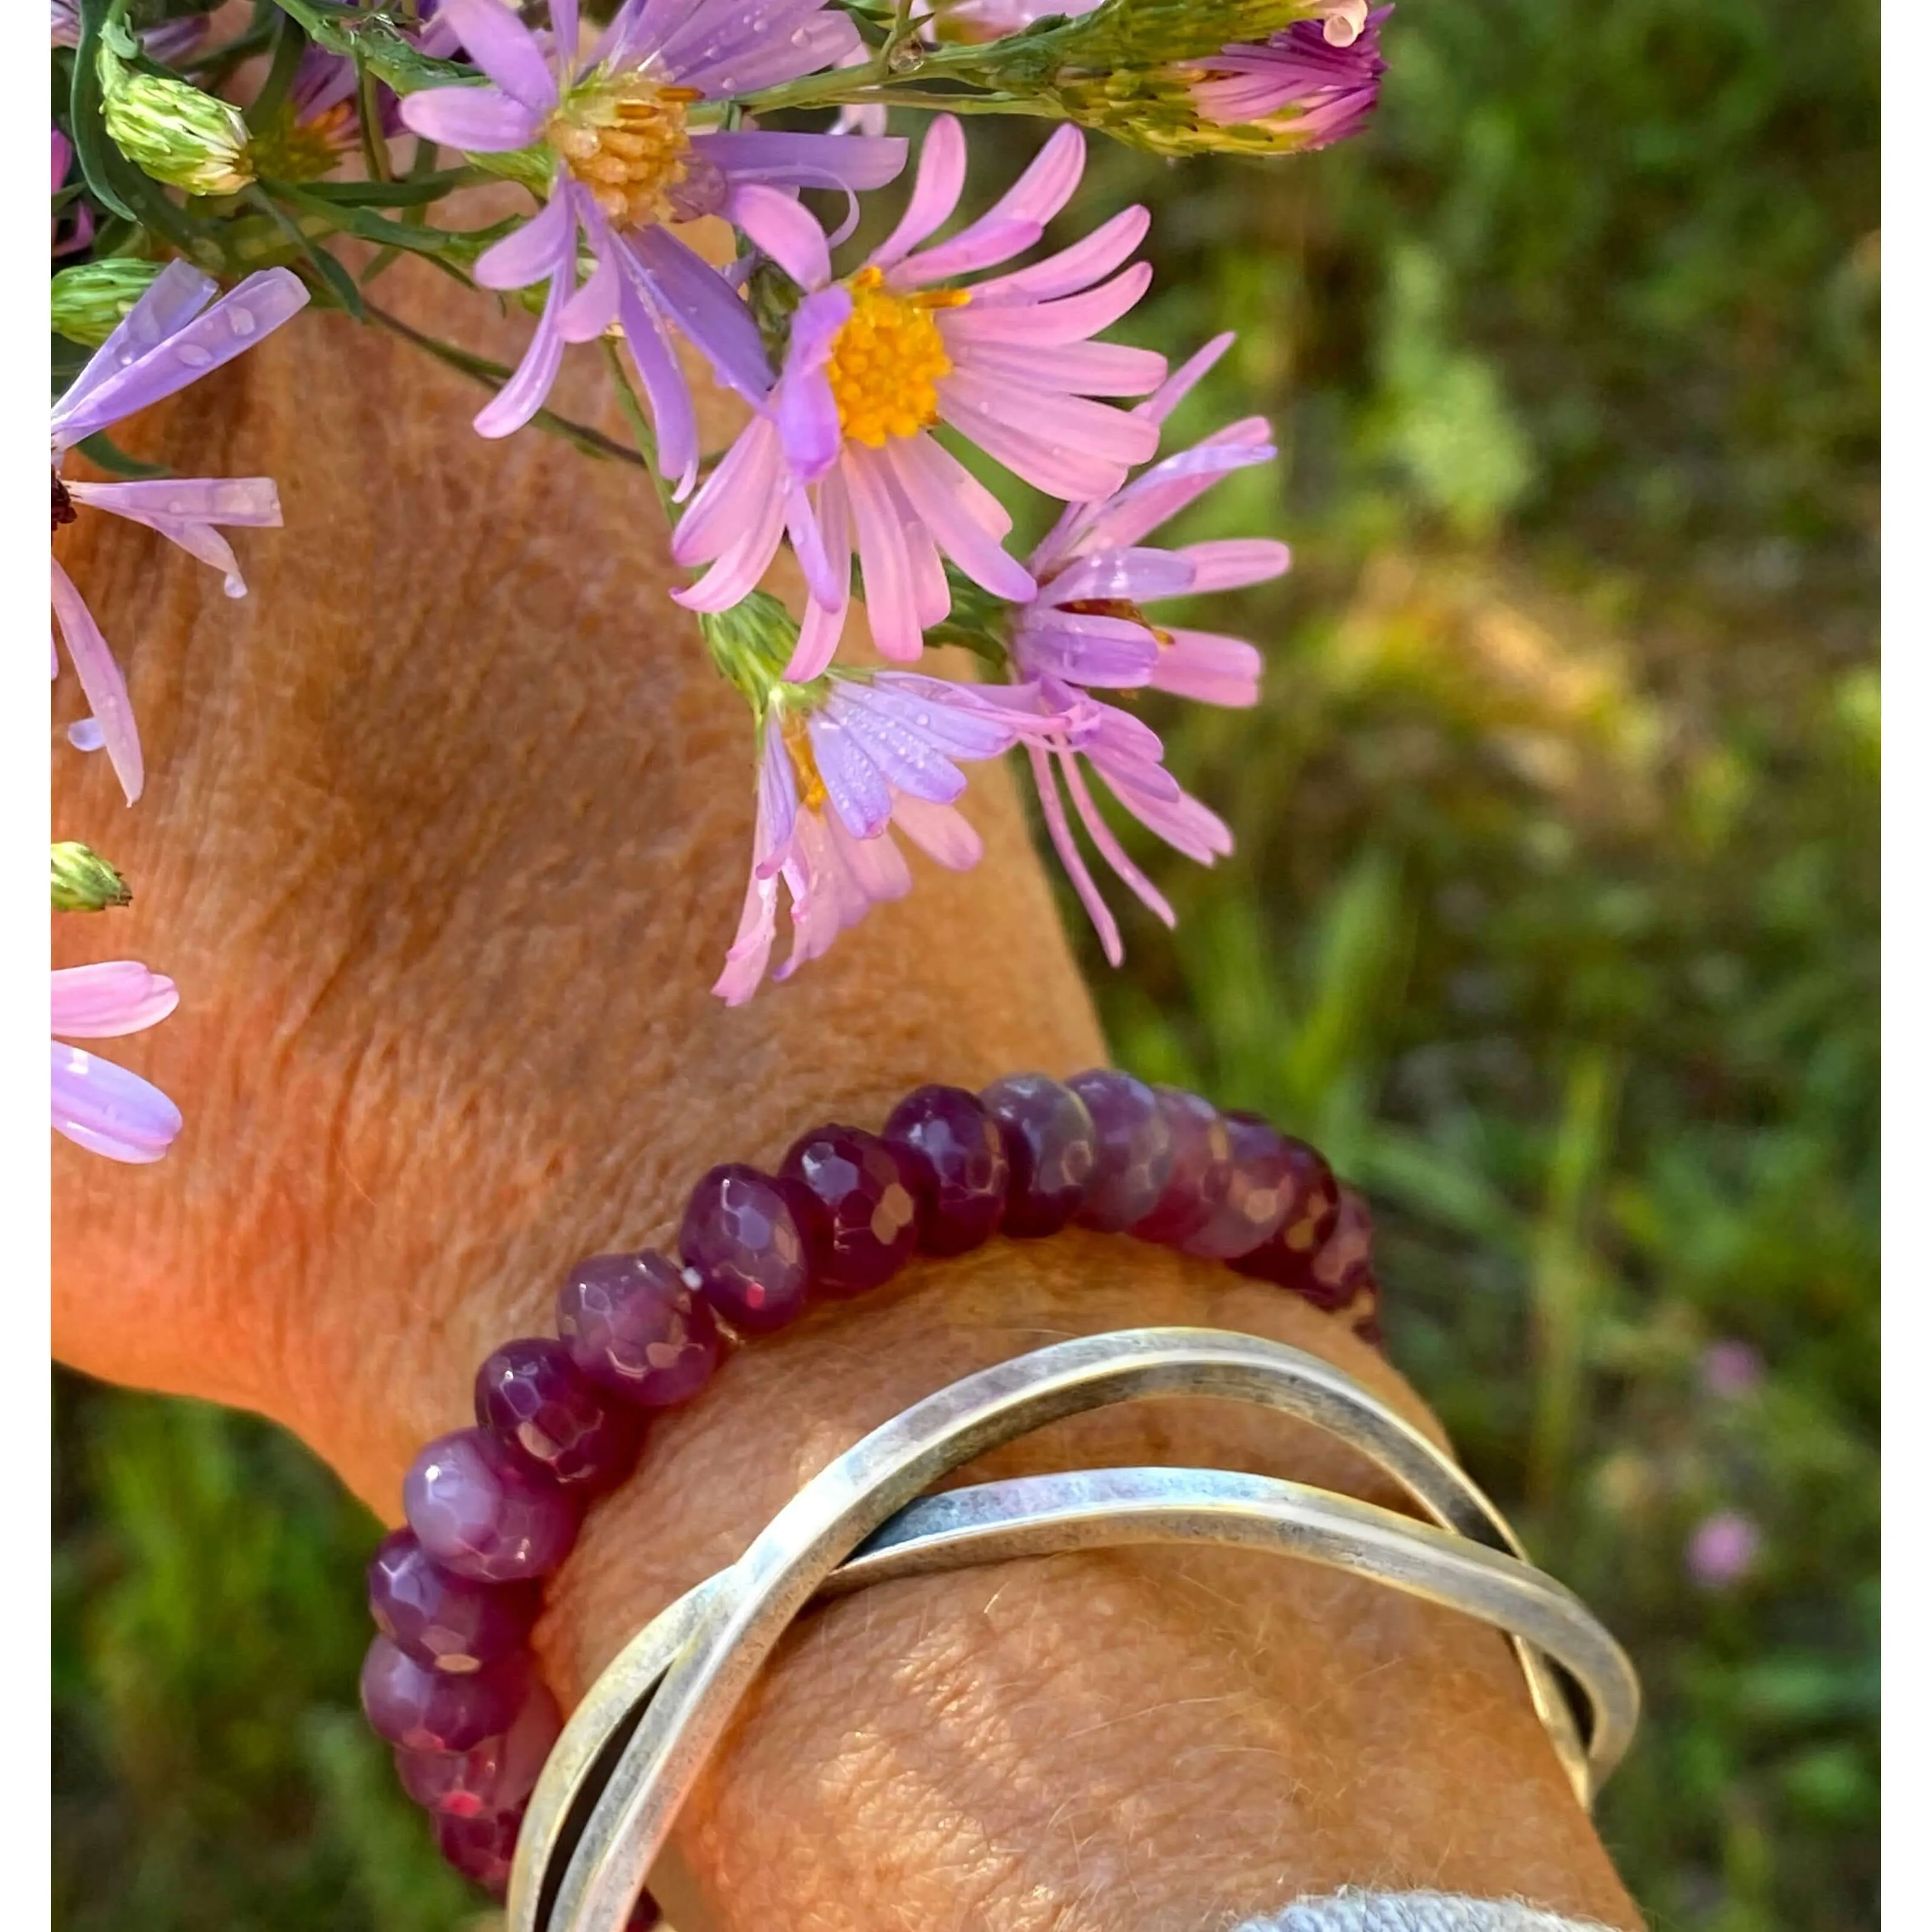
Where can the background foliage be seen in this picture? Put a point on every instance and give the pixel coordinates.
(1554, 919)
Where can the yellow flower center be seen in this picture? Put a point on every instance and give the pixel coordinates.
(628, 141)
(887, 360)
(804, 766)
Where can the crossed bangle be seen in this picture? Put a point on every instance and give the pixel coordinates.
(610, 1790)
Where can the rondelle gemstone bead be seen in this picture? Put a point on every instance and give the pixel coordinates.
(483, 1848)
(958, 1163)
(1343, 1265)
(869, 1224)
(1197, 1183)
(530, 1395)
(479, 1509)
(634, 1325)
(447, 1622)
(1261, 1190)
(428, 1710)
(1285, 1257)
(1134, 1149)
(742, 1236)
(1051, 1151)
(494, 1776)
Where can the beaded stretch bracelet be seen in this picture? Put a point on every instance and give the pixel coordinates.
(491, 1511)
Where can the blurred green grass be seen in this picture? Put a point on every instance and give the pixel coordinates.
(1554, 917)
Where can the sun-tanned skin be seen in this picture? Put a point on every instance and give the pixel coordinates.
(444, 839)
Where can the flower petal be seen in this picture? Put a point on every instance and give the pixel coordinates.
(953, 505)
(505, 49)
(941, 833)
(168, 304)
(705, 307)
(1064, 445)
(101, 679)
(523, 394)
(884, 562)
(935, 192)
(239, 320)
(108, 1110)
(1210, 668)
(543, 249)
(824, 623)
(108, 999)
(1015, 221)
(1163, 402)
(1054, 811)
(787, 232)
(1232, 563)
(1078, 266)
(1071, 318)
(854, 784)
(476, 120)
(673, 414)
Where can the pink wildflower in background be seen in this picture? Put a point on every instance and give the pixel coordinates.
(844, 457)
(627, 162)
(1086, 629)
(96, 1104)
(840, 763)
(1722, 1550)
(78, 221)
(171, 338)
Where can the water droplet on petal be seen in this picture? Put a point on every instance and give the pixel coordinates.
(241, 321)
(194, 355)
(84, 734)
(231, 586)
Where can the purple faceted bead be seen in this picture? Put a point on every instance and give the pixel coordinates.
(496, 1775)
(1051, 1151)
(428, 1710)
(479, 1509)
(958, 1160)
(1197, 1183)
(1261, 1191)
(742, 1234)
(448, 1622)
(633, 1324)
(868, 1225)
(1344, 1264)
(530, 1395)
(482, 1848)
(1135, 1149)
(1286, 1256)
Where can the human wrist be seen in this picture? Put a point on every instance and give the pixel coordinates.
(909, 1752)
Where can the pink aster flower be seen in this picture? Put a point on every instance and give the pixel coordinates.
(96, 1103)
(844, 457)
(1086, 629)
(1722, 1550)
(78, 219)
(1328, 72)
(169, 339)
(627, 162)
(841, 761)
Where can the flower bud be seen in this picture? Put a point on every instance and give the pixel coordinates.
(91, 299)
(752, 643)
(85, 882)
(172, 131)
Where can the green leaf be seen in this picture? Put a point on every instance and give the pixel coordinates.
(364, 225)
(391, 194)
(98, 448)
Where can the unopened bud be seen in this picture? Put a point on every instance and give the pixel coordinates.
(84, 882)
(173, 131)
(92, 299)
(752, 643)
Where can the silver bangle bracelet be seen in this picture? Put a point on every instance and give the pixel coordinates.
(633, 1748)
